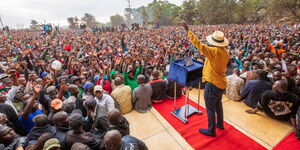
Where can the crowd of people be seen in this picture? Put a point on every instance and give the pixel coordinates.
(70, 90)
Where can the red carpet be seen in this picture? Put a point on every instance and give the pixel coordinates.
(227, 139)
(288, 143)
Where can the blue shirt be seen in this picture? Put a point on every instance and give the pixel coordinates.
(253, 91)
(28, 122)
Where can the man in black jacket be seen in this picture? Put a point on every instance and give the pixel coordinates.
(77, 134)
(41, 126)
(118, 122)
(158, 87)
(114, 141)
(61, 123)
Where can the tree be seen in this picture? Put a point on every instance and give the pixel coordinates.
(144, 14)
(282, 8)
(73, 22)
(89, 20)
(116, 20)
(33, 24)
(164, 12)
(189, 12)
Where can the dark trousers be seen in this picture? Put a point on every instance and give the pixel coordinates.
(213, 103)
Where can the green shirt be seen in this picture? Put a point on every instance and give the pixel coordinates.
(132, 83)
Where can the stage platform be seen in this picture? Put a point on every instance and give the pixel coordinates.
(158, 134)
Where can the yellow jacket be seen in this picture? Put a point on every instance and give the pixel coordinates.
(215, 63)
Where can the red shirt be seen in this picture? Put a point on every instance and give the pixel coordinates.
(106, 85)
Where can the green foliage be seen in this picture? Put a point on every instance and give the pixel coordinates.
(89, 20)
(204, 12)
(116, 20)
(285, 8)
(33, 24)
(73, 22)
(226, 11)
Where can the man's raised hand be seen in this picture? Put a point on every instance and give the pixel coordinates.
(184, 25)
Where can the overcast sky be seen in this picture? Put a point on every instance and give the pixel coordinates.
(16, 13)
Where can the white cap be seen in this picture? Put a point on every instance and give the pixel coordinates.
(56, 65)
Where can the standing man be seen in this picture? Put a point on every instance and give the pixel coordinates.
(214, 77)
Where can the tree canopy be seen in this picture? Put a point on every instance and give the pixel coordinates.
(203, 12)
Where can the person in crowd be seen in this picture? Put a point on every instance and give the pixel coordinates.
(113, 141)
(130, 76)
(78, 135)
(170, 93)
(279, 103)
(41, 125)
(40, 142)
(253, 89)
(118, 122)
(122, 94)
(10, 140)
(235, 85)
(52, 144)
(12, 119)
(74, 91)
(141, 96)
(104, 102)
(80, 146)
(30, 111)
(158, 88)
(61, 124)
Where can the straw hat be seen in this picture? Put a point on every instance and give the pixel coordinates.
(217, 39)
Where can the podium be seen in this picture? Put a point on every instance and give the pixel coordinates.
(185, 76)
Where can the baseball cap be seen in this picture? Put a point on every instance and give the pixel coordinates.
(56, 104)
(51, 143)
(44, 74)
(98, 88)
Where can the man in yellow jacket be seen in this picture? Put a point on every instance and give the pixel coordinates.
(214, 76)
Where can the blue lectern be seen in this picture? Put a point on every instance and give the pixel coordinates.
(186, 76)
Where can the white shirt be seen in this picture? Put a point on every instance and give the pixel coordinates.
(104, 104)
(10, 96)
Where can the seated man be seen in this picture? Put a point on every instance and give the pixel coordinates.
(130, 77)
(122, 95)
(170, 89)
(114, 141)
(118, 122)
(142, 96)
(279, 103)
(235, 85)
(104, 102)
(255, 88)
(158, 88)
(78, 135)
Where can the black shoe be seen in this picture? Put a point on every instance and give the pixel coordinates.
(205, 132)
(220, 127)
